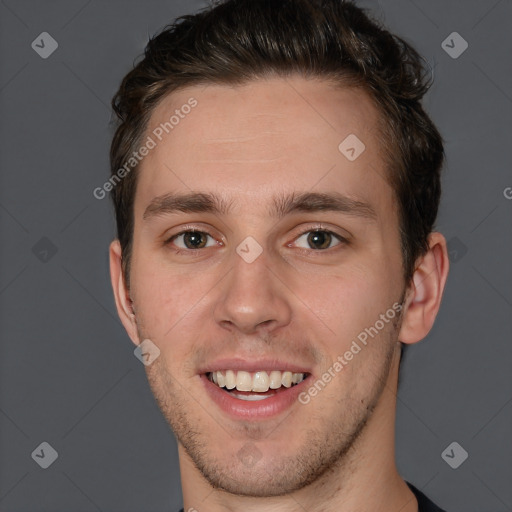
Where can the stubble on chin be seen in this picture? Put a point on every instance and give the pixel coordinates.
(322, 451)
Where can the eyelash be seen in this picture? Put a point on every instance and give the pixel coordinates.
(341, 239)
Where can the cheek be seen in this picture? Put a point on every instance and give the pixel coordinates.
(346, 311)
(357, 339)
(347, 303)
(170, 314)
(168, 304)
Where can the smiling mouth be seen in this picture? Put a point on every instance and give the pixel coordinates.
(253, 386)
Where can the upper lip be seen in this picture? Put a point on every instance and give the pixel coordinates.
(238, 364)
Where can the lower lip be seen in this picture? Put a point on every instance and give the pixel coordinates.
(253, 410)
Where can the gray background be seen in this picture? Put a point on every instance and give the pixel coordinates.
(68, 373)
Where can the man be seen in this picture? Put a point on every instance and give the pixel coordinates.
(276, 182)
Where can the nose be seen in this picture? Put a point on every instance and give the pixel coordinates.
(252, 298)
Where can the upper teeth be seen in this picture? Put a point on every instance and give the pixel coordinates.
(258, 381)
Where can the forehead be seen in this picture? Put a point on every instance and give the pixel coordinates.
(266, 136)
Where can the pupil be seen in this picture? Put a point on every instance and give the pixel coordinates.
(193, 240)
(320, 238)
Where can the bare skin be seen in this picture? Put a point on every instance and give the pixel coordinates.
(301, 300)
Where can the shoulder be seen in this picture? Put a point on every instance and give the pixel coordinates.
(424, 504)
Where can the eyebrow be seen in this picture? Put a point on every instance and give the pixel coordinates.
(280, 206)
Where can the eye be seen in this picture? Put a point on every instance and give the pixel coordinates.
(319, 239)
(191, 240)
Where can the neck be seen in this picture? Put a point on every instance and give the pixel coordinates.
(365, 478)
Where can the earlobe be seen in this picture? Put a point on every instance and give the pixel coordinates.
(121, 293)
(426, 291)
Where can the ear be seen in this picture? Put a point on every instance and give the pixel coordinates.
(121, 293)
(425, 291)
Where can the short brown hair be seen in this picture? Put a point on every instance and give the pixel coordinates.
(237, 41)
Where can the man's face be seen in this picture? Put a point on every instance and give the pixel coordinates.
(257, 289)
